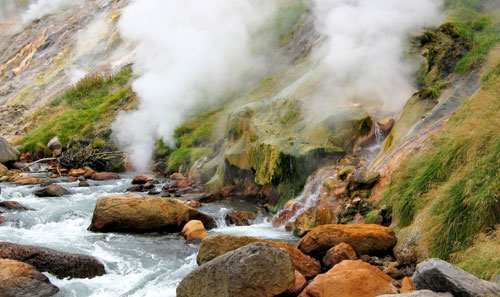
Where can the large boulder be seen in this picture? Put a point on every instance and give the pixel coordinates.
(7, 152)
(51, 191)
(350, 279)
(422, 293)
(194, 231)
(220, 244)
(133, 213)
(57, 263)
(21, 279)
(440, 276)
(312, 218)
(364, 239)
(258, 269)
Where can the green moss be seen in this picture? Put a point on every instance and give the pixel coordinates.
(266, 160)
(372, 216)
(178, 158)
(90, 102)
(458, 175)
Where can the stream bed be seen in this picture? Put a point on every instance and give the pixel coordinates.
(136, 265)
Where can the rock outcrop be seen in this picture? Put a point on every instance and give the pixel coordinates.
(257, 269)
(21, 279)
(440, 276)
(7, 152)
(350, 279)
(217, 245)
(364, 239)
(133, 213)
(57, 263)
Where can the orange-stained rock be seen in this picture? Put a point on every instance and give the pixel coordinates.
(77, 172)
(339, 253)
(177, 176)
(217, 245)
(350, 279)
(300, 284)
(183, 183)
(104, 176)
(407, 285)
(364, 239)
(193, 231)
(141, 179)
(23, 181)
(312, 218)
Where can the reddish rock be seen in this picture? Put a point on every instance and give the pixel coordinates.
(364, 239)
(194, 231)
(51, 191)
(407, 285)
(141, 179)
(70, 179)
(239, 218)
(24, 180)
(177, 176)
(104, 176)
(183, 183)
(311, 219)
(13, 205)
(358, 219)
(300, 284)
(77, 172)
(21, 279)
(350, 279)
(339, 253)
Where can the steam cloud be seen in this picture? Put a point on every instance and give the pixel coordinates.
(365, 48)
(189, 53)
(44, 7)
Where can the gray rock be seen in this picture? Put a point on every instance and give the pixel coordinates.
(51, 191)
(257, 269)
(423, 293)
(440, 276)
(54, 144)
(57, 263)
(7, 152)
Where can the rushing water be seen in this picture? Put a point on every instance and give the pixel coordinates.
(136, 265)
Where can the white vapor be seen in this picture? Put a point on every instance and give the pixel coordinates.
(41, 8)
(189, 53)
(365, 49)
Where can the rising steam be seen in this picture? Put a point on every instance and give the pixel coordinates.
(41, 8)
(190, 52)
(366, 47)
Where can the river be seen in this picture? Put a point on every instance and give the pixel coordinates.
(136, 265)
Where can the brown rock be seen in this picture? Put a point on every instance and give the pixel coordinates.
(133, 213)
(217, 245)
(194, 231)
(141, 179)
(311, 219)
(57, 263)
(386, 124)
(364, 239)
(183, 183)
(3, 170)
(339, 253)
(104, 176)
(257, 269)
(350, 279)
(13, 205)
(24, 180)
(77, 172)
(407, 285)
(2, 220)
(239, 218)
(177, 176)
(193, 204)
(300, 284)
(51, 191)
(393, 271)
(21, 279)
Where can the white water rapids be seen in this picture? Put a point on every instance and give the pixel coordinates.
(136, 265)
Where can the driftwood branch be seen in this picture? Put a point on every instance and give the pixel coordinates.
(38, 161)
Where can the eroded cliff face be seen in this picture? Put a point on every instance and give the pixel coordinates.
(40, 59)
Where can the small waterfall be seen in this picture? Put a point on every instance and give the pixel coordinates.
(379, 134)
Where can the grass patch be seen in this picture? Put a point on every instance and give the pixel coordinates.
(458, 174)
(76, 112)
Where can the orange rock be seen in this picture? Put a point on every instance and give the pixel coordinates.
(364, 238)
(339, 253)
(194, 231)
(22, 181)
(350, 279)
(104, 176)
(183, 183)
(306, 265)
(141, 179)
(300, 283)
(177, 176)
(77, 172)
(312, 218)
(407, 285)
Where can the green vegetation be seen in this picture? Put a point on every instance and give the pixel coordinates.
(482, 29)
(76, 113)
(457, 175)
(193, 141)
(290, 15)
